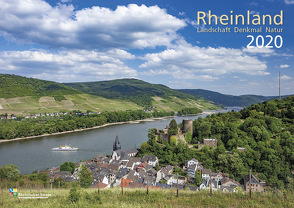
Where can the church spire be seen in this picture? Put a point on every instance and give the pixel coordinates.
(116, 144)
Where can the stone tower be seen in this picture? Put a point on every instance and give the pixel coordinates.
(187, 125)
(116, 144)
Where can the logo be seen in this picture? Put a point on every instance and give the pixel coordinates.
(13, 192)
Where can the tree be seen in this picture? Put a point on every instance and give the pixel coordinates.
(173, 127)
(198, 178)
(173, 140)
(68, 166)
(151, 133)
(145, 147)
(290, 184)
(9, 172)
(205, 129)
(86, 177)
(188, 137)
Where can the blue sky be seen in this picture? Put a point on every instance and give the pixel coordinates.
(153, 40)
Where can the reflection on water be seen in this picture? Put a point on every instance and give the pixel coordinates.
(35, 154)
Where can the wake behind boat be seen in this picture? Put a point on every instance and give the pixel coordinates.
(65, 148)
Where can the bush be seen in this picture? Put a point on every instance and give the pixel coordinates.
(93, 198)
(173, 141)
(74, 194)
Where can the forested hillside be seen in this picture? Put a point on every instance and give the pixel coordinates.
(266, 131)
(227, 100)
(134, 90)
(17, 86)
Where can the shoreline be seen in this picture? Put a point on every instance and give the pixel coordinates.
(86, 129)
(102, 126)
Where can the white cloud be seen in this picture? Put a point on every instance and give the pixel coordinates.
(184, 61)
(77, 65)
(259, 51)
(289, 1)
(285, 77)
(132, 26)
(284, 66)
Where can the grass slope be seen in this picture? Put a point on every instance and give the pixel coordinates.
(82, 102)
(155, 198)
(227, 100)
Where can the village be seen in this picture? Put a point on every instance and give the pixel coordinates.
(124, 169)
(58, 114)
(42, 115)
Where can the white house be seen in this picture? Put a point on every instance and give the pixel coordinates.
(150, 159)
(205, 173)
(193, 161)
(169, 179)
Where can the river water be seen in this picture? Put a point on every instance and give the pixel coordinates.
(35, 154)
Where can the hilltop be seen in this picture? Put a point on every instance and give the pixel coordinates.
(227, 100)
(12, 86)
(134, 90)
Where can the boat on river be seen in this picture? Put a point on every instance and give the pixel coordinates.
(65, 148)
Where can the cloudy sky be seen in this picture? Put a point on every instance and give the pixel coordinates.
(153, 40)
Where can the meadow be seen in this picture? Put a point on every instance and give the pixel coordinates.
(156, 198)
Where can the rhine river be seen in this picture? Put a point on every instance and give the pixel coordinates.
(35, 154)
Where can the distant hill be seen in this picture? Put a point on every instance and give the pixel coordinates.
(143, 94)
(21, 95)
(227, 100)
(17, 86)
(134, 90)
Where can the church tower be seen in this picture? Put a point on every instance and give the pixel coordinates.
(116, 144)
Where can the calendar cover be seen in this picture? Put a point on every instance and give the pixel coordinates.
(146, 103)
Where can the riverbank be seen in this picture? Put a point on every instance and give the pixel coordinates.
(102, 126)
(86, 129)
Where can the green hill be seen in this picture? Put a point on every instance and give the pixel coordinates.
(133, 90)
(227, 100)
(143, 94)
(21, 95)
(12, 86)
